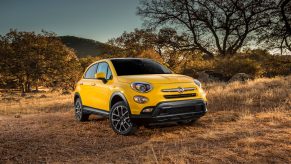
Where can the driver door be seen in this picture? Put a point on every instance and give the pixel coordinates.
(100, 89)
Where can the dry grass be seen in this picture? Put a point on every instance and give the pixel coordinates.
(33, 103)
(246, 123)
(253, 96)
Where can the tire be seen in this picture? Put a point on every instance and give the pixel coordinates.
(79, 112)
(119, 119)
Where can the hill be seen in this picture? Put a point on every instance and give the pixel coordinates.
(85, 47)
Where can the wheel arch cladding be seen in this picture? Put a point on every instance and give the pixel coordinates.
(116, 97)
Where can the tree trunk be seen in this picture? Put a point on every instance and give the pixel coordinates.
(36, 85)
(22, 88)
(27, 87)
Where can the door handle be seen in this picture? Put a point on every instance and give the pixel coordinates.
(93, 84)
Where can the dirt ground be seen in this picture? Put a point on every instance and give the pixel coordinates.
(57, 137)
(254, 127)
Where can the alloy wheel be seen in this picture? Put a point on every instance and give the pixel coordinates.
(78, 110)
(120, 119)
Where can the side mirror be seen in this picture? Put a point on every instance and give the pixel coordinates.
(100, 76)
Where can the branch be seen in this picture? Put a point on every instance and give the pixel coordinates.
(285, 19)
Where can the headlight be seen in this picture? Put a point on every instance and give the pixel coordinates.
(197, 83)
(141, 87)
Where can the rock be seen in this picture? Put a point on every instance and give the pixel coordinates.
(203, 77)
(242, 77)
(216, 76)
(191, 73)
(210, 76)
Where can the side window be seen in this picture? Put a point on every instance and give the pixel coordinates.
(90, 74)
(103, 67)
(109, 73)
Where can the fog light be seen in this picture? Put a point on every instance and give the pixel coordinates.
(140, 99)
(147, 110)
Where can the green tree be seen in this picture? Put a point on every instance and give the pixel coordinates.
(167, 44)
(131, 44)
(37, 59)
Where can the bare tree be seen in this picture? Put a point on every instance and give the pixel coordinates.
(215, 26)
(278, 34)
(284, 24)
(172, 47)
(285, 10)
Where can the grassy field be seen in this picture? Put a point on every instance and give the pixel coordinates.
(246, 123)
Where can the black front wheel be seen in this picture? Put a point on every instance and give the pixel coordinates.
(120, 119)
(79, 113)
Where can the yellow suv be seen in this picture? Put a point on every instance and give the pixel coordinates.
(134, 92)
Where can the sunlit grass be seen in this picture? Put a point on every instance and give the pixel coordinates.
(247, 123)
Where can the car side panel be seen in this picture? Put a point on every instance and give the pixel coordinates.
(83, 88)
(100, 94)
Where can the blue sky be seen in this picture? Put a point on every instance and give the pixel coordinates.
(95, 19)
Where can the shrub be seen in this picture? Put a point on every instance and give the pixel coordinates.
(230, 66)
(201, 65)
(277, 66)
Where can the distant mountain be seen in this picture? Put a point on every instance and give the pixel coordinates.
(85, 47)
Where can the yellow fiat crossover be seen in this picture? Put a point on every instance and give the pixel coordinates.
(134, 92)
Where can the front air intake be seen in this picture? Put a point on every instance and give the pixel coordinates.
(180, 96)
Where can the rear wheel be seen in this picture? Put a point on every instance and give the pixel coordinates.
(79, 113)
(120, 119)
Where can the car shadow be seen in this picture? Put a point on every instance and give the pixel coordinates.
(97, 118)
(152, 129)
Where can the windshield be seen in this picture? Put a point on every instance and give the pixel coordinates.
(138, 67)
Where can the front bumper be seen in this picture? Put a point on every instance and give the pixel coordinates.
(172, 111)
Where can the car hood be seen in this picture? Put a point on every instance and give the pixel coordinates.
(156, 78)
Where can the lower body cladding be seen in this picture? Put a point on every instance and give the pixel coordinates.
(172, 111)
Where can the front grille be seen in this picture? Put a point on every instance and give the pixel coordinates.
(179, 89)
(180, 110)
(180, 96)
